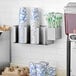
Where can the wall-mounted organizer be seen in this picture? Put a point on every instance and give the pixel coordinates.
(34, 33)
(43, 34)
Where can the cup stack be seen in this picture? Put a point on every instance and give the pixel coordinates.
(35, 24)
(23, 24)
(23, 17)
(42, 69)
(32, 69)
(51, 71)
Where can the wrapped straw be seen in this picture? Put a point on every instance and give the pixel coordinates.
(54, 19)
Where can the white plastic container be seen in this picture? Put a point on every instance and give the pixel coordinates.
(53, 33)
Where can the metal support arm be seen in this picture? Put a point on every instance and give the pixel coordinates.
(68, 56)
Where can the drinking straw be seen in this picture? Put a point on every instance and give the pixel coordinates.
(54, 19)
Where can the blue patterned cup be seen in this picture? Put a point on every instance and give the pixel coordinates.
(51, 71)
(32, 69)
(41, 70)
(35, 15)
(23, 15)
